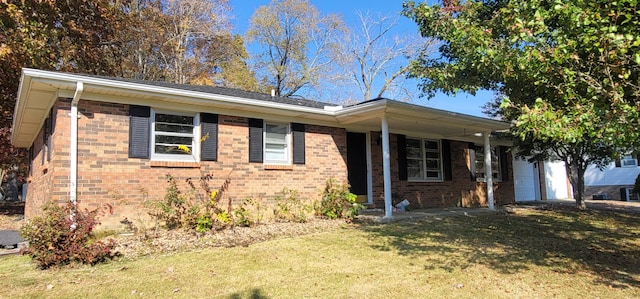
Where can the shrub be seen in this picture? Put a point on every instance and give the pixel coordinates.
(173, 210)
(199, 210)
(249, 213)
(290, 207)
(55, 239)
(337, 201)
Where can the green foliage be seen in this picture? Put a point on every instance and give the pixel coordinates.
(337, 201)
(204, 223)
(173, 210)
(290, 207)
(566, 71)
(198, 209)
(55, 239)
(249, 213)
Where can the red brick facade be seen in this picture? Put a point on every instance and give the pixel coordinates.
(106, 174)
(460, 191)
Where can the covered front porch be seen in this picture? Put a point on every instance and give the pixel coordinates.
(424, 155)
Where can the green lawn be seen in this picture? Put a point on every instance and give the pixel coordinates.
(527, 254)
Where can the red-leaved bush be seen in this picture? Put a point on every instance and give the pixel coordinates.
(55, 239)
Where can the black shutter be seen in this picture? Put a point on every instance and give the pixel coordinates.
(209, 146)
(139, 131)
(618, 162)
(402, 157)
(472, 161)
(446, 160)
(504, 166)
(255, 140)
(298, 131)
(31, 155)
(45, 133)
(49, 135)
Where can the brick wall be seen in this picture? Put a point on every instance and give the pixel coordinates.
(461, 190)
(613, 191)
(106, 175)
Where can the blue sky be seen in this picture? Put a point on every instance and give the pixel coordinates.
(463, 103)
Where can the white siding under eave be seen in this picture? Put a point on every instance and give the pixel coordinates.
(611, 176)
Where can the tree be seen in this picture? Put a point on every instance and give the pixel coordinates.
(567, 70)
(184, 41)
(296, 41)
(376, 61)
(72, 35)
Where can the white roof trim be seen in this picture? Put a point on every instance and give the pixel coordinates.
(55, 83)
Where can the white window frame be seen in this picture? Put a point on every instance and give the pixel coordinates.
(193, 156)
(495, 167)
(628, 161)
(423, 154)
(286, 142)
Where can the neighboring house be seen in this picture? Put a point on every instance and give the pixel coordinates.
(96, 140)
(614, 182)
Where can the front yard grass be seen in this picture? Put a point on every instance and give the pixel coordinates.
(525, 254)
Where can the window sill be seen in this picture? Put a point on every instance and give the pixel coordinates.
(425, 181)
(174, 164)
(277, 167)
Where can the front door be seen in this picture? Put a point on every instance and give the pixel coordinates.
(357, 164)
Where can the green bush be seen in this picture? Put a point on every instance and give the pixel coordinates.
(249, 213)
(55, 239)
(198, 209)
(337, 201)
(290, 207)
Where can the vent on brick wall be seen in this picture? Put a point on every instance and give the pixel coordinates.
(600, 196)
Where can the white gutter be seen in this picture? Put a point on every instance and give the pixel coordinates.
(73, 147)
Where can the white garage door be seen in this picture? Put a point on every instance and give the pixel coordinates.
(556, 180)
(525, 184)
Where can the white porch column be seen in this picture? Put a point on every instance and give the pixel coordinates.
(488, 173)
(386, 168)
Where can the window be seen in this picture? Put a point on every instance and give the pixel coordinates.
(173, 136)
(495, 164)
(424, 161)
(628, 161)
(276, 143)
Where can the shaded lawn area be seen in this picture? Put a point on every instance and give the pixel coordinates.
(529, 253)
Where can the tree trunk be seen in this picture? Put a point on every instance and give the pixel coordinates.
(575, 171)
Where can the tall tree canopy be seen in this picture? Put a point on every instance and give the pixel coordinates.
(567, 70)
(295, 41)
(183, 41)
(74, 35)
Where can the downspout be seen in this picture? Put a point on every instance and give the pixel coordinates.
(386, 168)
(488, 173)
(73, 147)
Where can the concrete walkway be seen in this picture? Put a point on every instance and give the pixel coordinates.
(10, 242)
